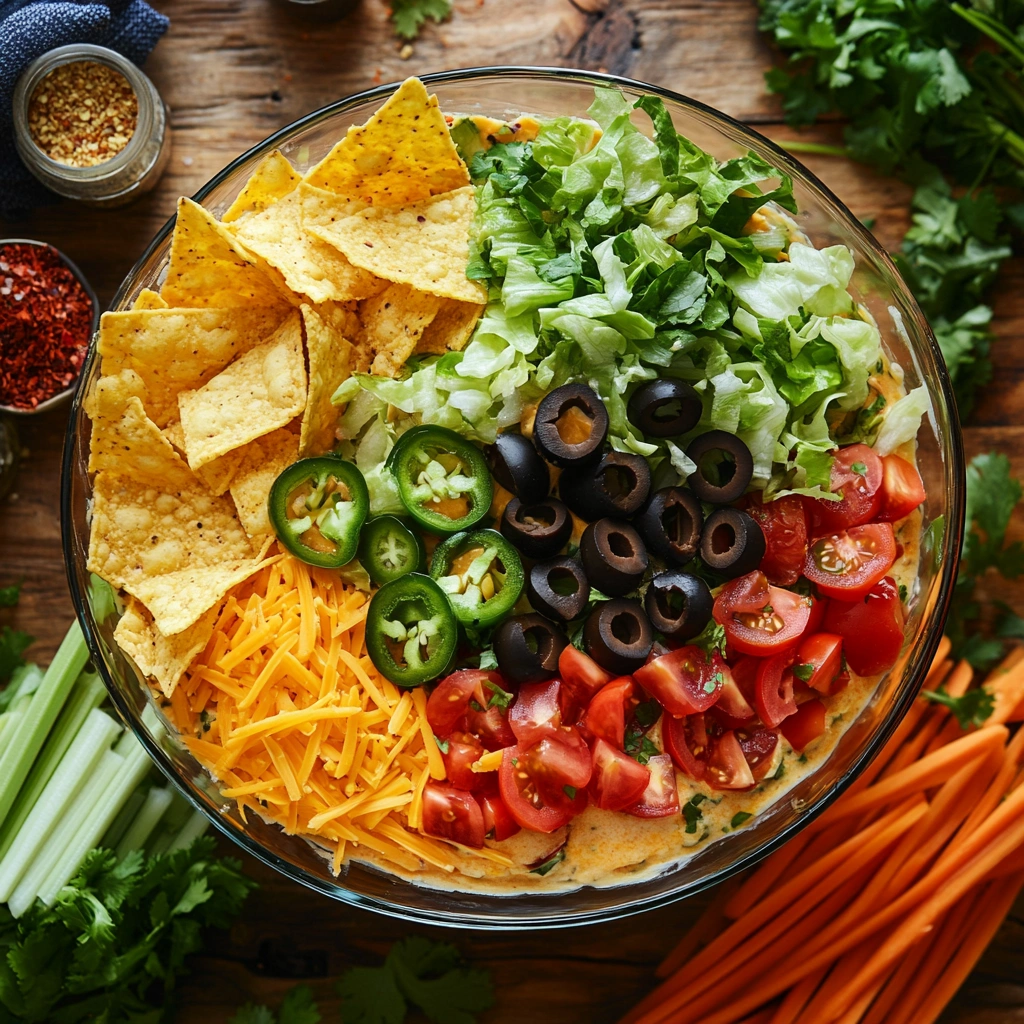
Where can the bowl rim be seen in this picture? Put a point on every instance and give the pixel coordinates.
(948, 561)
(61, 396)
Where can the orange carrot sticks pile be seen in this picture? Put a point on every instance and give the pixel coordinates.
(877, 912)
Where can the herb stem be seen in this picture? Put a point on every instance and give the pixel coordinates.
(993, 28)
(819, 148)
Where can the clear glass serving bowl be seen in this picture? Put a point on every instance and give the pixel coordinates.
(506, 92)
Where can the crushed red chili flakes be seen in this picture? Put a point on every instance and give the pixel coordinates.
(45, 324)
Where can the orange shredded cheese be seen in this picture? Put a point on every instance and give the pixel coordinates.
(286, 710)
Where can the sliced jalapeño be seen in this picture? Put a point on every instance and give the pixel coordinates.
(442, 478)
(411, 631)
(481, 573)
(388, 549)
(317, 507)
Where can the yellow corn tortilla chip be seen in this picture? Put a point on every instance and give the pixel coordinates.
(149, 299)
(260, 391)
(308, 264)
(141, 530)
(272, 180)
(404, 153)
(265, 459)
(424, 245)
(330, 359)
(174, 433)
(163, 658)
(393, 323)
(217, 475)
(178, 599)
(175, 350)
(451, 328)
(208, 267)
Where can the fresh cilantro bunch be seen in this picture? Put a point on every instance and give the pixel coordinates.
(408, 16)
(112, 946)
(297, 1007)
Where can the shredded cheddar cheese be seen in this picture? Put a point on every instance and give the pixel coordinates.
(286, 710)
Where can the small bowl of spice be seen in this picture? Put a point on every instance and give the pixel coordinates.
(90, 125)
(48, 315)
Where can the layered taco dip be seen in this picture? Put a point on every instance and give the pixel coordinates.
(507, 505)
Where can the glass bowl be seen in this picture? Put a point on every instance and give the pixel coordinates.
(506, 93)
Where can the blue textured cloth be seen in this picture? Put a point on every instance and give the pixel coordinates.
(28, 28)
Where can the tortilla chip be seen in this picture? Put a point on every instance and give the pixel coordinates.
(393, 323)
(174, 350)
(260, 391)
(330, 358)
(308, 264)
(451, 328)
(149, 299)
(209, 268)
(404, 153)
(265, 459)
(217, 475)
(163, 658)
(141, 530)
(425, 245)
(179, 599)
(272, 180)
(175, 435)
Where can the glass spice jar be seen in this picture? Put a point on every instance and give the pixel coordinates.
(132, 169)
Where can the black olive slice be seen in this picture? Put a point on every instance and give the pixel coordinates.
(671, 524)
(614, 557)
(527, 648)
(571, 425)
(733, 543)
(616, 486)
(515, 464)
(558, 588)
(618, 635)
(540, 529)
(678, 604)
(724, 467)
(664, 408)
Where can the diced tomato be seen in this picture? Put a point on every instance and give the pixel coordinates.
(871, 628)
(819, 661)
(686, 741)
(775, 624)
(848, 563)
(902, 488)
(449, 701)
(498, 821)
(490, 727)
(606, 717)
(454, 814)
(618, 781)
(857, 476)
(816, 617)
(733, 708)
(581, 674)
(683, 681)
(535, 713)
(806, 725)
(773, 693)
(556, 763)
(727, 767)
(463, 750)
(784, 525)
(758, 746)
(660, 799)
(534, 808)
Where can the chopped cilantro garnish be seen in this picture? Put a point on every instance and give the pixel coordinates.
(442, 745)
(499, 698)
(692, 812)
(803, 672)
(859, 468)
(903, 593)
(569, 791)
(780, 771)
(550, 864)
(739, 818)
(647, 713)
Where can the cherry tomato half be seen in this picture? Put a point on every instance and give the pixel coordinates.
(683, 681)
(449, 700)
(733, 708)
(491, 727)
(773, 693)
(660, 799)
(581, 674)
(776, 624)
(871, 628)
(606, 717)
(453, 814)
(463, 750)
(806, 725)
(618, 781)
(784, 525)
(533, 808)
(536, 713)
(819, 661)
(758, 745)
(902, 488)
(557, 763)
(847, 564)
(727, 765)
(498, 821)
(857, 476)
(686, 741)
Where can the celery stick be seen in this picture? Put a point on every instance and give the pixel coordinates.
(135, 765)
(122, 822)
(158, 799)
(196, 825)
(87, 693)
(57, 846)
(24, 746)
(8, 724)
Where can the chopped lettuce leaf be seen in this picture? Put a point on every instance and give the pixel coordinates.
(903, 420)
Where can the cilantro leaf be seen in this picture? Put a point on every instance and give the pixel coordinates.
(13, 643)
(692, 812)
(408, 16)
(250, 1014)
(370, 995)
(431, 978)
(973, 708)
(298, 1007)
(9, 595)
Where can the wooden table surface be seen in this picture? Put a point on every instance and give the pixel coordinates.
(232, 72)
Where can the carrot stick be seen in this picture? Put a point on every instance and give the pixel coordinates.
(709, 924)
(1008, 691)
(798, 997)
(840, 973)
(960, 679)
(1014, 656)
(933, 719)
(893, 989)
(765, 876)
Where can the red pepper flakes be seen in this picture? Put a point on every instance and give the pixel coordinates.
(45, 324)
